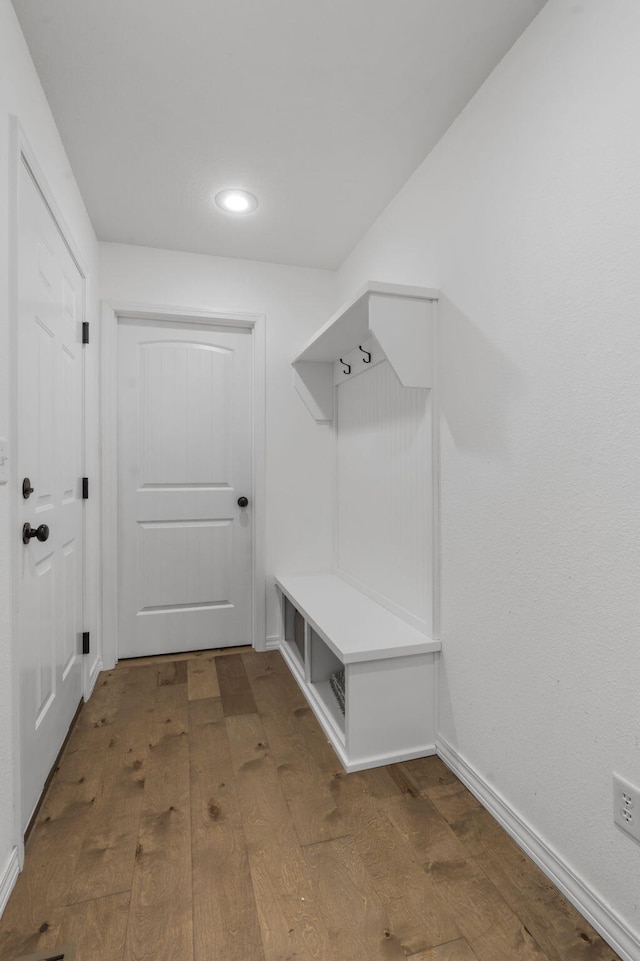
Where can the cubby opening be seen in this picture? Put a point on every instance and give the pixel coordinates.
(293, 629)
(323, 664)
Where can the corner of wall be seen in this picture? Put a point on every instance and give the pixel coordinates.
(576, 889)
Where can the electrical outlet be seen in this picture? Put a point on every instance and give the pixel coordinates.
(626, 806)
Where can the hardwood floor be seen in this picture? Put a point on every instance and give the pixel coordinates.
(199, 814)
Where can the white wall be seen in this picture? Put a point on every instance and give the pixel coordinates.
(296, 302)
(21, 95)
(527, 216)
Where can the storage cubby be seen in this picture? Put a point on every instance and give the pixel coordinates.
(322, 664)
(293, 623)
(389, 672)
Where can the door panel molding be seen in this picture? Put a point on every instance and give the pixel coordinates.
(113, 313)
(23, 156)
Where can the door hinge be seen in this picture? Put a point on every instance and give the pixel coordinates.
(85, 488)
(85, 331)
(86, 645)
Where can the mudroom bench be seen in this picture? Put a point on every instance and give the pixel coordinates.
(341, 645)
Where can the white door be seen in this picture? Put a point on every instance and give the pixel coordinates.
(50, 454)
(184, 461)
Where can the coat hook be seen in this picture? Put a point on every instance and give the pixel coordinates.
(367, 359)
(347, 367)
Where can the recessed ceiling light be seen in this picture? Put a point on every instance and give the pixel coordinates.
(236, 201)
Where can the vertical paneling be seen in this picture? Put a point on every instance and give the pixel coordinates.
(384, 490)
(69, 603)
(70, 413)
(185, 391)
(185, 563)
(40, 448)
(44, 661)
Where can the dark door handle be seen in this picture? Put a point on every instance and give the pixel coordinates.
(243, 501)
(27, 489)
(41, 533)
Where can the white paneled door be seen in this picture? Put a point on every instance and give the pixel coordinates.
(50, 455)
(184, 473)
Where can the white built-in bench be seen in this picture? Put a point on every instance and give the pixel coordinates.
(389, 670)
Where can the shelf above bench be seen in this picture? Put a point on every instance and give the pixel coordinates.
(390, 321)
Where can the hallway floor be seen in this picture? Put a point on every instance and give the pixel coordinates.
(199, 814)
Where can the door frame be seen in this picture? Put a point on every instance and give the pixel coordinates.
(111, 312)
(21, 152)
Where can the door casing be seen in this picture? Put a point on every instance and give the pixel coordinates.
(21, 152)
(110, 313)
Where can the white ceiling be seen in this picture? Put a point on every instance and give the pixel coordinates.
(322, 108)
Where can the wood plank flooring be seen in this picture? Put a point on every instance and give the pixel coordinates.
(199, 814)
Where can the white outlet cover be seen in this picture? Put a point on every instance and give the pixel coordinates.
(626, 806)
(4, 461)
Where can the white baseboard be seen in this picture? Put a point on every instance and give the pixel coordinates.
(9, 878)
(617, 934)
(93, 677)
(272, 643)
(382, 760)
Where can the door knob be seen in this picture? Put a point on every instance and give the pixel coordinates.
(41, 533)
(243, 501)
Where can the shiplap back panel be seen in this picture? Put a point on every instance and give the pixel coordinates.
(384, 497)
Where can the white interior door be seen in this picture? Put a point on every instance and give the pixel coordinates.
(50, 454)
(184, 460)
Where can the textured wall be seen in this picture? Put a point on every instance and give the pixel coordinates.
(21, 95)
(527, 216)
(296, 301)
